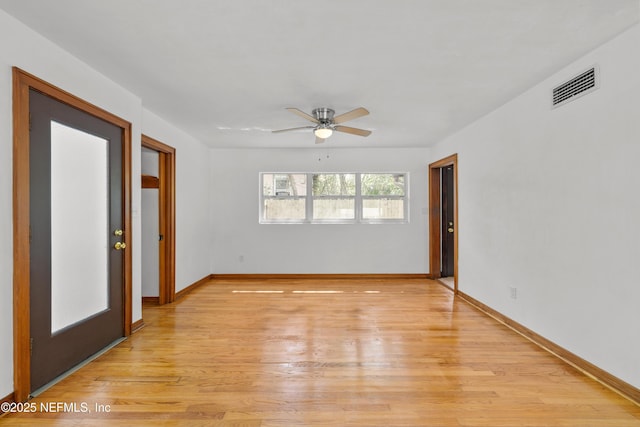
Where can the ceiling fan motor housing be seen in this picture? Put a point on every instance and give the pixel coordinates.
(324, 115)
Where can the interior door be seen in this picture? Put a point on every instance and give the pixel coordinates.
(76, 208)
(447, 221)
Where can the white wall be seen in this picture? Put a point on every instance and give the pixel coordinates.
(306, 248)
(150, 219)
(193, 219)
(549, 203)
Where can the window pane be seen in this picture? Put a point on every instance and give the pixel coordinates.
(79, 225)
(383, 209)
(334, 184)
(283, 184)
(285, 209)
(383, 184)
(334, 209)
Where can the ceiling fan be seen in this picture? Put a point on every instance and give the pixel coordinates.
(326, 123)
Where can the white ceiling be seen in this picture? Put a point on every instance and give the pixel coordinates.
(225, 70)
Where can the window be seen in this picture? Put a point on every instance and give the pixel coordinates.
(334, 196)
(383, 196)
(342, 198)
(284, 197)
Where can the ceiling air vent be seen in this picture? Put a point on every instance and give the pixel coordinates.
(575, 88)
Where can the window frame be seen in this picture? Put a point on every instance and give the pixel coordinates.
(358, 199)
(313, 198)
(404, 198)
(283, 197)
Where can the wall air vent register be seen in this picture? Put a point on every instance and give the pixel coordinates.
(578, 86)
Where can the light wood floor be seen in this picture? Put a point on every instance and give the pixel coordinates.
(330, 353)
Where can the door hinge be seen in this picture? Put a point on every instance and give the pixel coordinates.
(161, 237)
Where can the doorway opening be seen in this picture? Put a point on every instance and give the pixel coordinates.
(443, 221)
(158, 187)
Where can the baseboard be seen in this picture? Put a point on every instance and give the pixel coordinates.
(137, 325)
(7, 399)
(151, 300)
(614, 383)
(210, 277)
(319, 276)
(191, 287)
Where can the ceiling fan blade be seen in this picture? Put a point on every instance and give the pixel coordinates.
(353, 131)
(319, 140)
(353, 114)
(304, 115)
(290, 129)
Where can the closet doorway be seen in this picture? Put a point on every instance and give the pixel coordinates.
(158, 221)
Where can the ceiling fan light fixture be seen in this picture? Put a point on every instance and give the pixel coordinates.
(323, 132)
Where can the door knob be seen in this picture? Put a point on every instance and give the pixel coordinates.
(120, 245)
(117, 232)
(450, 230)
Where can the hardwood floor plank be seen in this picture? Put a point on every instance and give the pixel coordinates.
(295, 352)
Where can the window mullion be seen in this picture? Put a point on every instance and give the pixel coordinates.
(309, 199)
(358, 201)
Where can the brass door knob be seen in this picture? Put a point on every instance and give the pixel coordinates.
(450, 230)
(117, 232)
(119, 246)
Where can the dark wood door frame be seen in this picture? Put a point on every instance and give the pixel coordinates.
(167, 213)
(22, 83)
(435, 252)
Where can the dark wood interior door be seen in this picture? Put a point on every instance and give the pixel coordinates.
(76, 208)
(447, 221)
